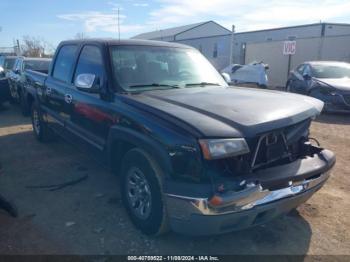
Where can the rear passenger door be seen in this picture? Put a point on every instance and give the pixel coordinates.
(56, 104)
(89, 115)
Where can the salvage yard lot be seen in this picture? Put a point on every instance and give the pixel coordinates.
(88, 218)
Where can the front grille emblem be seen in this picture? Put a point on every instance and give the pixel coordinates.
(271, 139)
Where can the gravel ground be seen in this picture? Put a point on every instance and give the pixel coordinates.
(88, 218)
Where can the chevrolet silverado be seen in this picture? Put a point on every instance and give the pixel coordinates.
(193, 154)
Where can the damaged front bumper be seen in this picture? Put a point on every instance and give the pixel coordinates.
(275, 191)
(337, 103)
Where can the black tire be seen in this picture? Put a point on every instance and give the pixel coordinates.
(40, 128)
(155, 221)
(25, 109)
(288, 87)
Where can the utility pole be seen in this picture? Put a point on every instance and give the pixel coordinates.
(18, 47)
(118, 23)
(232, 44)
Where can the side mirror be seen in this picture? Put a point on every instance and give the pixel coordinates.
(2, 72)
(88, 83)
(226, 77)
(306, 76)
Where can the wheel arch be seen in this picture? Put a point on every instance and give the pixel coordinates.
(122, 139)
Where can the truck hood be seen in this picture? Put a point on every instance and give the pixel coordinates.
(228, 112)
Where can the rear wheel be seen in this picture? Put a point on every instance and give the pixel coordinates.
(40, 129)
(142, 192)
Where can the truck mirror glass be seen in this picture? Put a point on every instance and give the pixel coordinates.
(2, 72)
(87, 82)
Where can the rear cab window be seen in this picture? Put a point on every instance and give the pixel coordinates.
(64, 63)
(9, 63)
(37, 65)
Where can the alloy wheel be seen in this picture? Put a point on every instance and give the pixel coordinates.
(138, 193)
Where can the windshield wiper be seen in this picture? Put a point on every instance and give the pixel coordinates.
(155, 85)
(203, 84)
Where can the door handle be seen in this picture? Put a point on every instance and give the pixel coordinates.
(38, 83)
(48, 91)
(68, 98)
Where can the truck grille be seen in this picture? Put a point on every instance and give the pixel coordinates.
(282, 144)
(275, 147)
(347, 99)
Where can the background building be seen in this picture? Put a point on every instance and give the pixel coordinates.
(322, 41)
(212, 39)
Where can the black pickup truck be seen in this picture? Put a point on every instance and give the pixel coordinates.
(16, 78)
(193, 154)
(6, 64)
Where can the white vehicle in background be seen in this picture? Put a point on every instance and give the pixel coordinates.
(253, 74)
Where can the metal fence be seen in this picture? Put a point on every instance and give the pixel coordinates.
(8, 50)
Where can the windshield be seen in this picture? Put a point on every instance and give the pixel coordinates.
(37, 65)
(140, 68)
(330, 71)
(9, 62)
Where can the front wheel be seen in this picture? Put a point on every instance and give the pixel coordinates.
(142, 192)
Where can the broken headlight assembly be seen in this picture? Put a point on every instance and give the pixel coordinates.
(222, 148)
(324, 89)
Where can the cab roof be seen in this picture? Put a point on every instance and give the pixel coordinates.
(132, 42)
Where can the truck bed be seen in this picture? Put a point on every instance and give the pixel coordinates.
(34, 79)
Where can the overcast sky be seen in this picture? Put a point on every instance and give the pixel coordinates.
(56, 20)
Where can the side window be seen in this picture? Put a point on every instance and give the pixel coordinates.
(64, 63)
(307, 70)
(300, 69)
(90, 62)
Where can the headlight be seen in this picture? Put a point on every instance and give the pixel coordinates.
(221, 148)
(324, 88)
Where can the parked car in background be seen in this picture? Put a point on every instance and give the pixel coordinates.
(325, 80)
(191, 153)
(253, 74)
(4, 90)
(16, 78)
(6, 64)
